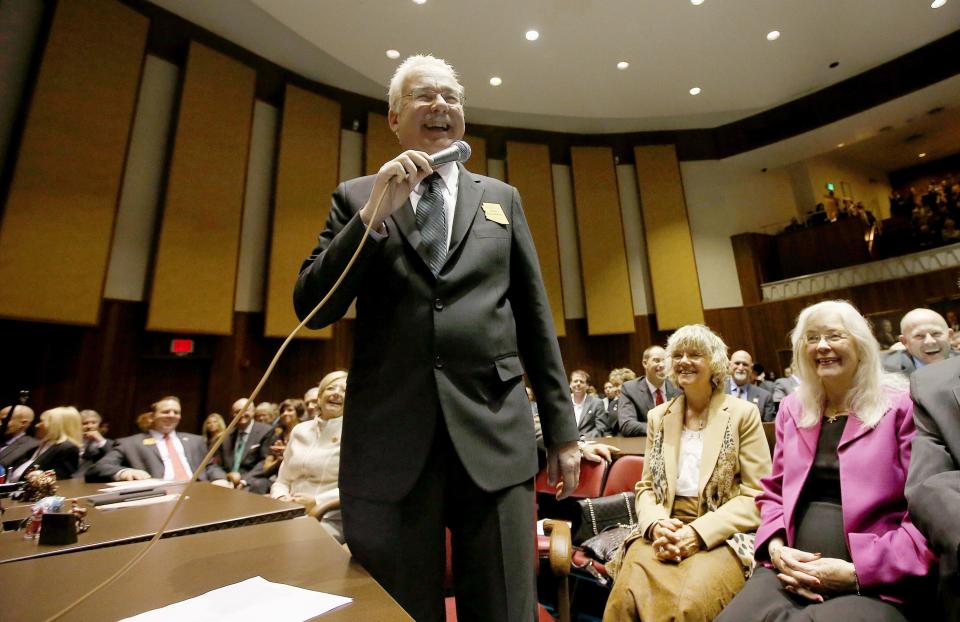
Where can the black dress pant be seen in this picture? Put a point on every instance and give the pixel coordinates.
(402, 544)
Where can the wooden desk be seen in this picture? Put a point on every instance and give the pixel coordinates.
(296, 552)
(634, 445)
(208, 508)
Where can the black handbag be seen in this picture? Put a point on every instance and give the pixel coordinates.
(603, 546)
(600, 514)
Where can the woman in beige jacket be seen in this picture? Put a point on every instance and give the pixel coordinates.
(692, 548)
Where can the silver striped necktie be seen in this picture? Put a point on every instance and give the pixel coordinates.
(432, 223)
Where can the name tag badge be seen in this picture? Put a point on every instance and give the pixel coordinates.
(149, 441)
(756, 400)
(494, 213)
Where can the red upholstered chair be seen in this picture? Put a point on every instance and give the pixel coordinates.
(591, 480)
(624, 474)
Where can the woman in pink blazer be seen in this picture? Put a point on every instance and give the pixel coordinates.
(835, 538)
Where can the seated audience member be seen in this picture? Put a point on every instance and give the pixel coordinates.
(639, 396)
(95, 446)
(17, 445)
(213, 427)
(145, 421)
(611, 398)
(741, 385)
(61, 437)
(291, 412)
(311, 462)
(885, 336)
(836, 538)
(782, 387)
(761, 378)
(244, 450)
(926, 339)
(161, 452)
(695, 502)
(933, 484)
(266, 412)
(310, 403)
(587, 408)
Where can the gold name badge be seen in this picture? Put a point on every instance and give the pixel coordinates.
(149, 441)
(494, 213)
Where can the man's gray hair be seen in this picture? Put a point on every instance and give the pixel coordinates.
(411, 66)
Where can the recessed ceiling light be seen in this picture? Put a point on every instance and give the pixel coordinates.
(495, 81)
(419, 1)
(393, 54)
(922, 155)
(532, 35)
(696, 2)
(773, 35)
(695, 90)
(623, 65)
(936, 4)
(840, 145)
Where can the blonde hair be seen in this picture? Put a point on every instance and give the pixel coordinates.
(699, 338)
(220, 423)
(869, 396)
(63, 424)
(412, 66)
(330, 378)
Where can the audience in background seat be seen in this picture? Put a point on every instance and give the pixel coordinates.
(310, 398)
(17, 445)
(311, 462)
(213, 427)
(60, 438)
(933, 485)
(741, 385)
(836, 540)
(926, 338)
(782, 387)
(95, 446)
(706, 453)
(640, 395)
(244, 450)
(291, 412)
(588, 409)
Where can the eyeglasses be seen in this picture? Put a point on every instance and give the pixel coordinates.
(691, 356)
(814, 339)
(428, 96)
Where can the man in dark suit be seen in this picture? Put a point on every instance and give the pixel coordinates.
(926, 339)
(588, 409)
(161, 453)
(638, 396)
(741, 385)
(244, 451)
(437, 427)
(95, 445)
(933, 483)
(782, 387)
(17, 445)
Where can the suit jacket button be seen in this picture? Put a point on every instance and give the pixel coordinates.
(438, 304)
(438, 363)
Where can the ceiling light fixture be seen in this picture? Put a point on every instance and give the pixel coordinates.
(773, 35)
(532, 35)
(419, 1)
(495, 81)
(922, 155)
(936, 4)
(622, 65)
(840, 145)
(696, 2)
(393, 54)
(695, 90)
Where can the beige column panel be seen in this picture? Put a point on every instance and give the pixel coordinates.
(307, 174)
(528, 169)
(603, 256)
(196, 267)
(478, 155)
(381, 145)
(673, 269)
(60, 212)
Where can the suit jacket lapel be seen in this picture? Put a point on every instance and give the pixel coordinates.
(469, 193)
(672, 425)
(405, 221)
(852, 430)
(713, 437)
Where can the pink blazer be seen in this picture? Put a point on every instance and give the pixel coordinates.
(890, 554)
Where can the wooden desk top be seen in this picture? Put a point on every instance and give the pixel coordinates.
(635, 445)
(208, 508)
(296, 552)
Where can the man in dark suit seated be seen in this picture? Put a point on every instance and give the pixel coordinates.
(638, 396)
(925, 335)
(243, 452)
(161, 453)
(933, 482)
(588, 409)
(95, 445)
(17, 445)
(741, 385)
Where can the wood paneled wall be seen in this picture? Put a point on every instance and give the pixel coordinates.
(60, 212)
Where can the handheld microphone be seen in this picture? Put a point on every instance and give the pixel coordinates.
(459, 151)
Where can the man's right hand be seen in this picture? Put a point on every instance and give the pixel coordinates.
(129, 475)
(563, 468)
(399, 177)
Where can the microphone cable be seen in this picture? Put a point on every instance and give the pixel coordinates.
(233, 423)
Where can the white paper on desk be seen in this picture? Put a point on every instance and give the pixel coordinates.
(253, 600)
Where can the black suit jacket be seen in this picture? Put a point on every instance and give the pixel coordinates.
(19, 450)
(448, 346)
(63, 458)
(933, 482)
(140, 452)
(762, 398)
(256, 449)
(636, 401)
(591, 417)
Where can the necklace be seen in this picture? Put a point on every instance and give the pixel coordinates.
(835, 413)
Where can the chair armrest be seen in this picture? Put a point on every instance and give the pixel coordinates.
(561, 546)
(321, 509)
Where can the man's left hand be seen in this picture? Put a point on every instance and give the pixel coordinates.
(563, 468)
